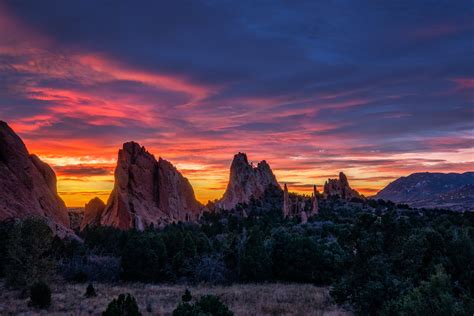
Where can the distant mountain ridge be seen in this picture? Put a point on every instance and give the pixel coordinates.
(453, 191)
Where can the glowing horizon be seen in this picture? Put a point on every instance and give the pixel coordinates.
(378, 93)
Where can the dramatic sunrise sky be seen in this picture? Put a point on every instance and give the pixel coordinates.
(378, 89)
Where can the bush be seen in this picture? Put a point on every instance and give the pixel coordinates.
(186, 296)
(40, 295)
(124, 305)
(90, 291)
(91, 268)
(29, 253)
(210, 269)
(208, 305)
(432, 297)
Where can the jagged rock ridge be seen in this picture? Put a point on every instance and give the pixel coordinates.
(300, 206)
(28, 185)
(432, 190)
(340, 187)
(246, 181)
(147, 191)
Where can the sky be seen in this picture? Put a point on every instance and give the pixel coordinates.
(377, 89)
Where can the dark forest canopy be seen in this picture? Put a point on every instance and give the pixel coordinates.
(379, 257)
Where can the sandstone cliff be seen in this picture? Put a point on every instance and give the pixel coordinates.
(340, 187)
(28, 185)
(92, 213)
(246, 181)
(147, 191)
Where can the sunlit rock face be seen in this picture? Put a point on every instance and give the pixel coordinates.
(246, 181)
(340, 187)
(27, 184)
(148, 191)
(92, 213)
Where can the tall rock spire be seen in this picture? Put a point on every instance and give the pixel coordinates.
(246, 181)
(286, 202)
(314, 206)
(147, 191)
(340, 187)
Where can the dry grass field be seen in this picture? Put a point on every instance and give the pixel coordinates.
(251, 299)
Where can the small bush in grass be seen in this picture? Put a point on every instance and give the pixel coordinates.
(208, 305)
(124, 305)
(186, 296)
(40, 295)
(90, 291)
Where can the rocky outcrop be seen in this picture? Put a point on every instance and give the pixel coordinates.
(314, 202)
(246, 181)
(299, 205)
(340, 187)
(92, 213)
(147, 191)
(28, 185)
(286, 202)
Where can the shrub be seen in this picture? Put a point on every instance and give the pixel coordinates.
(124, 305)
(433, 297)
(91, 268)
(90, 291)
(208, 305)
(210, 269)
(40, 295)
(186, 296)
(29, 253)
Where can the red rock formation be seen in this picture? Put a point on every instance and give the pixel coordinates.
(340, 187)
(314, 206)
(92, 213)
(286, 202)
(28, 185)
(246, 181)
(147, 192)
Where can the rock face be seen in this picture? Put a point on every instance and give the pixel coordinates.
(246, 181)
(92, 213)
(28, 185)
(314, 202)
(147, 191)
(286, 202)
(300, 205)
(340, 187)
(453, 191)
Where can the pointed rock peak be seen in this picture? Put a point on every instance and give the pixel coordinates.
(246, 181)
(95, 201)
(147, 191)
(343, 178)
(133, 147)
(92, 212)
(28, 185)
(241, 157)
(263, 165)
(340, 187)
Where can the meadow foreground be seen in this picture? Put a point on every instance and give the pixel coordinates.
(250, 299)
